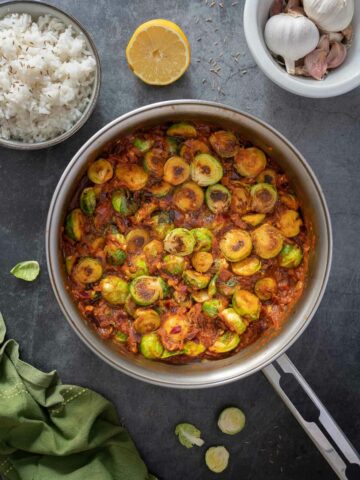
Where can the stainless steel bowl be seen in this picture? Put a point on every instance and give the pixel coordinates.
(36, 9)
(271, 345)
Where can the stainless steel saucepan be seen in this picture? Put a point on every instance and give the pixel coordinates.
(268, 353)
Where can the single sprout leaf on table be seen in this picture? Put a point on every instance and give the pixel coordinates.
(28, 270)
(188, 435)
(231, 420)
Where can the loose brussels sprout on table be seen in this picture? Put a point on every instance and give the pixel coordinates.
(206, 170)
(249, 162)
(231, 420)
(224, 143)
(114, 289)
(236, 245)
(176, 171)
(188, 197)
(188, 435)
(218, 198)
(179, 241)
(217, 459)
(100, 171)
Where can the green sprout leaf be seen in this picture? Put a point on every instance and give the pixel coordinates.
(27, 271)
(188, 435)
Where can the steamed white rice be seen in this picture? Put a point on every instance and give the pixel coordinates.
(46, 77)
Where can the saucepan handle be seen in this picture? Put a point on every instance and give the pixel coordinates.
(313, 416)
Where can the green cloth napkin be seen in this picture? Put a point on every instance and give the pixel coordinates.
(50, 431)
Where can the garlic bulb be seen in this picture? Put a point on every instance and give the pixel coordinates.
(330, 15)
(291, 36)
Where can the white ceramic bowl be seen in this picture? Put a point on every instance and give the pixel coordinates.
(36, 9)
(338, 81)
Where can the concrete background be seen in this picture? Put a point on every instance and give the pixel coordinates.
(272, 446)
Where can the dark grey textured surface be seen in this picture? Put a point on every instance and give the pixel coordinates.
(327, 132)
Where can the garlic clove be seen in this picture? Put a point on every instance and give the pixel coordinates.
(324, 43)
(276, 7)
(337, 55)
(330, 15)
(315, 63)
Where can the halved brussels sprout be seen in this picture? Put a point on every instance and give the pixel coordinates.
(206, 170)
(203, 239)
(233, 320)
(176, 170)
(132, 176)
(200, 296)
(290, 256)
(265, 288)
(121, 337)
(161, 224)
(202, 261)
(179, 241)
(136, 239)
(247, 267)
(188, 197)
(153, 164)
(196, 280)
(236, 245)
(263, 197)
(153, 249)
(167, 353)
(143, 145)
(113, 235)
(231, 420)
(182, 129)
(218, 198)
(240, 200)
(146, 209)
(172, 145)
(253, 219)
(145, 290)
(69, 263)
(114, 289)
(130, 306)
(123, 202)
(289, 223)
(174, 264)
(212, 290)
(87, 270)
(146, 320)
(193, 349)
(136, 266)
(88, 201)
(176, 326)
(114, 255)
(267, 176)
(192, 147)
(164, 288)
(246, 304)
(289, 200)
(100, 171)
(213, 307)
(151, 346)
(227, 287)
(74, 224)
(224, 143)
(160, 189)
(267, 240)
(225, 343)
(217, 459)
(249, 162)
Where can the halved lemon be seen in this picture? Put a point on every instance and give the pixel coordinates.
(158, 52)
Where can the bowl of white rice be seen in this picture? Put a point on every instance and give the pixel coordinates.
(50, 75)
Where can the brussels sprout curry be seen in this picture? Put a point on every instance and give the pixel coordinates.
(184, 242)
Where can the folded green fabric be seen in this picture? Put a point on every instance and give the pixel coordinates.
(50, 431)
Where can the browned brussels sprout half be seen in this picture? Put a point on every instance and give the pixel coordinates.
(100, 171)
(233, 320)
(174, 264)
(146, 320)
(136, 239)
(87, 270)
(132, 176)
(290, 256)
(182, 129)
(203, 239)
(160, 189)
(267, 176)
(193, 349)
(176, 171)
(172, 145)
(224, 143)
(196, 280)
(206, 170)
(153, 164)
(240, 200)
(114, 290)
(236, 245)
(246, 267)
(142, 145)
(265, 288)
(218, 198)
(289, 223)
(179, 241)
(289, 200)
(188, 197)
(136, 266)
(153, 249)
(263, 197)
(123, 202)
(88, 201)
(74, 224)
(225, 343)
(176, 326)
(249, 162)
(192, 147)
(161, 224)
(253, 219)
(145, 290)
(202, 261)
(268, 241)
(213, 307)
(114, 255)
(151, 346)
(246, 304)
